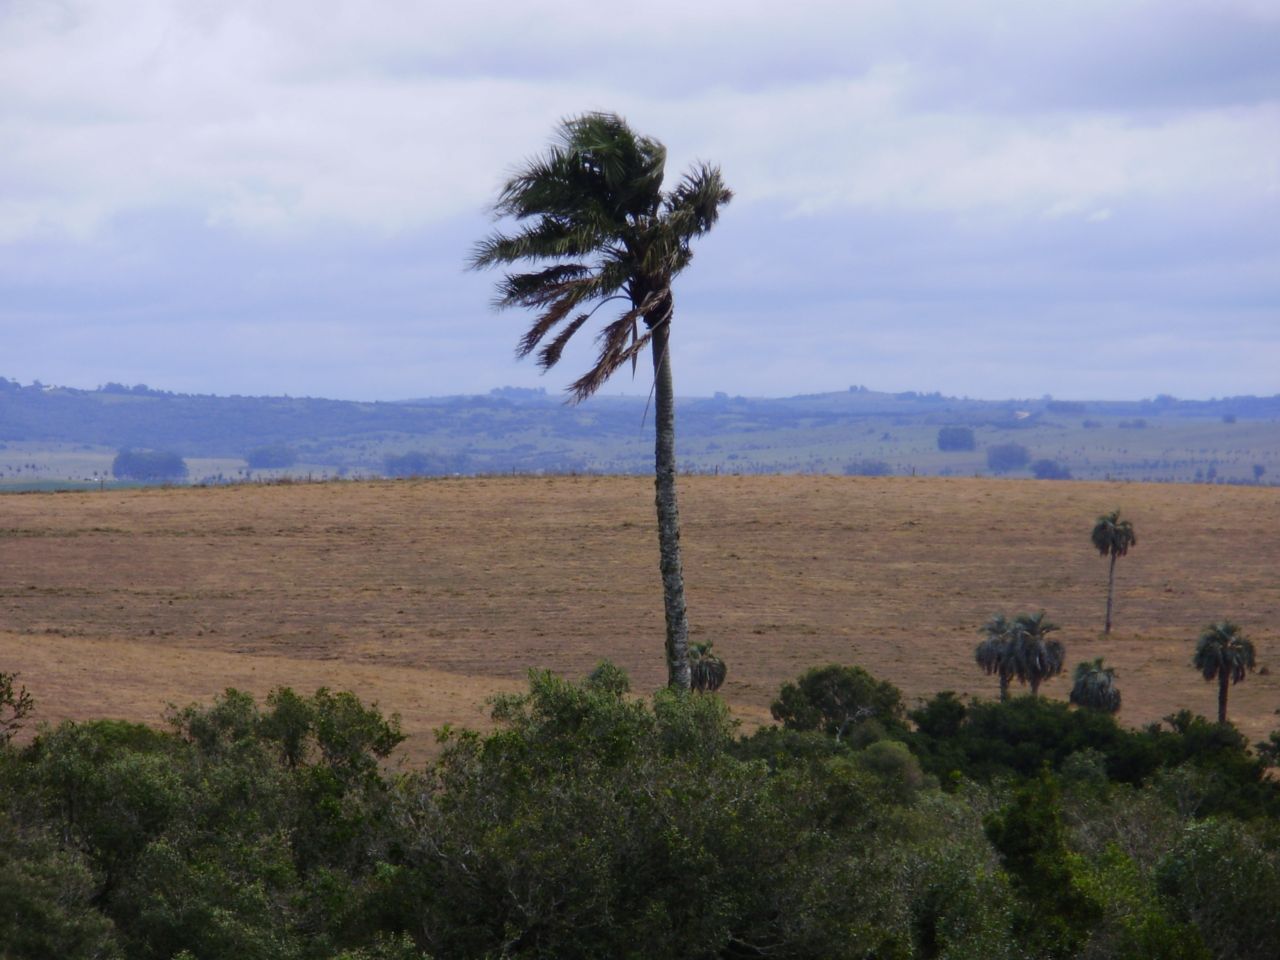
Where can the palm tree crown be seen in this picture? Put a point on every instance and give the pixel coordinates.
(1094, 686)
(1113, 536)
(599, 224)
(1225, 654)
(1038, 657)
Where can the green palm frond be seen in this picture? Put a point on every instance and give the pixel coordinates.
(594, 218)
(693, 207)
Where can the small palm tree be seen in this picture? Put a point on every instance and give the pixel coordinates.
(595, 226)
(1112, 537)
(1225, 654)
(706, 670)
(1036, 657)
(1094, 687)
(995, 654)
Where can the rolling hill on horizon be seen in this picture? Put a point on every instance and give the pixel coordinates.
(53, 434)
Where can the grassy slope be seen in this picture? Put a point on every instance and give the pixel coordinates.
(430, 595)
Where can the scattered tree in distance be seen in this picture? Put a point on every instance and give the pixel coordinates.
(956, 438)
(1007, 457)
(150, 466)
(1225, 654)
(1112, 537)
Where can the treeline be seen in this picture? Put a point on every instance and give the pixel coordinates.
(591, 823)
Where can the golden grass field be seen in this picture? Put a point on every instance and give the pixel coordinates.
(429, 596)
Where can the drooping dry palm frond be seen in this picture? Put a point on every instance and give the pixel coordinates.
(1094, 687)
(1112, 536)
(707, 672)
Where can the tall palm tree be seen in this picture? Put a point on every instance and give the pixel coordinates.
(706, 670)
(996, 653)
(1036, 657)
(1094, 686)
(595, 225)
(1113, 537)
(1225, 654)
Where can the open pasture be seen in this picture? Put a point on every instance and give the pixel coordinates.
(428, 596)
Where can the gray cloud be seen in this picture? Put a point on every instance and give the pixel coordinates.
(240, 197)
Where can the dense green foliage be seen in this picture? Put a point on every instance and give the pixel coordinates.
(837, 700)
(591, 823)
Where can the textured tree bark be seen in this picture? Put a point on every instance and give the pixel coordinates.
(1111, 592)
(677, 647)
(1223, 678)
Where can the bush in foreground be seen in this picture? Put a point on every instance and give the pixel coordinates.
(593, 823)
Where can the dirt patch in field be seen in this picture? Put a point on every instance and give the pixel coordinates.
(429, 596)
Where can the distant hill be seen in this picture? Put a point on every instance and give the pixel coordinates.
(1234, 439)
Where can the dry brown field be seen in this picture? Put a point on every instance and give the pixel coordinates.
(430, 596)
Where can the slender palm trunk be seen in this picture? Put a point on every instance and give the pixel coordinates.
(1111, 592)
(1035, 686)
(1223, 679)
(669, 512)
(1004, 687)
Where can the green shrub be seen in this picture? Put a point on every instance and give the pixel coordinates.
(836, 700)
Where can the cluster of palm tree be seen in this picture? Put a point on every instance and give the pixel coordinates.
(1017, 648)
(1020, 649)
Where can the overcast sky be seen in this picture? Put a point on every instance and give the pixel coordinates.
(993, 199)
